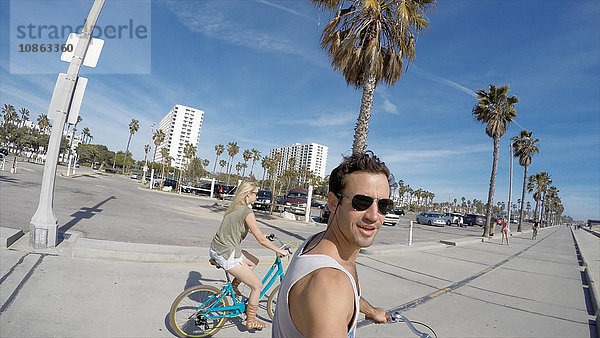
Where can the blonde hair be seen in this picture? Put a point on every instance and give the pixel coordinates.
(242, 192)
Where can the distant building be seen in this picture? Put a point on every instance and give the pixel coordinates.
(181, 125)
(311, 155)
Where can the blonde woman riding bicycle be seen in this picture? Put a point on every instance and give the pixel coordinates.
(226, 249)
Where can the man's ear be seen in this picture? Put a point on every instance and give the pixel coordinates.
(332, 201)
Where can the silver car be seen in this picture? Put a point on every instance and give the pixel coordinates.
(431, 218)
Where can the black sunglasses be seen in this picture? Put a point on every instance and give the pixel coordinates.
(364, 202)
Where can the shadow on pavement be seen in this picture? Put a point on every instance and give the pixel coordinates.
(83, 213)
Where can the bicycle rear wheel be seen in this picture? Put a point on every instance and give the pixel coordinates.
(188, 321)
(272, 302)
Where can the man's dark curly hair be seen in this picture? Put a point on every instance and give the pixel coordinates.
(366, 161)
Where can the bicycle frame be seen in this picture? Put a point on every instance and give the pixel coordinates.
(238, 307)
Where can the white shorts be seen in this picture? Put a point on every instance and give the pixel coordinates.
(226, 264)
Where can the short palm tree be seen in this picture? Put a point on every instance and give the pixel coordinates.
(9, 113)
(189, 151)
(134, 126)
(371, 41)
(496, 109)
(24, 116)
(86, 135)
(219, 149)
(524, 147)
(44, 123)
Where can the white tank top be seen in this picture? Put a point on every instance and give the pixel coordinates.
(302, 265)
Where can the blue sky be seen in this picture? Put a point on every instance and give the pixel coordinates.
(256, 69)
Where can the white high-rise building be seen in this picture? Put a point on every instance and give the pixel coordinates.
(311, 155)
(181, 125)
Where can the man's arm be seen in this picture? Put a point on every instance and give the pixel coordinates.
(322, 303)
(375, 314)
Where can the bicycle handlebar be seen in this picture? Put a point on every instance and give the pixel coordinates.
(396, 316)
(283, 246)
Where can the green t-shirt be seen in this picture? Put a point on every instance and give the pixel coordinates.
(231, 233)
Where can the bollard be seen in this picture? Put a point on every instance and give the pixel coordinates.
(410, 230)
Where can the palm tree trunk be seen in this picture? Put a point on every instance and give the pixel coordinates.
(215, 166)
(126, 151)
(361, 130)
(489, 228)
(519, 228)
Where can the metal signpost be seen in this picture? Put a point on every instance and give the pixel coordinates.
(43, 226)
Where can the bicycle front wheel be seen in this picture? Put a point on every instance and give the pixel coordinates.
(187, 320)
(272, 302)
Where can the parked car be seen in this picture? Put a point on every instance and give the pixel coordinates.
(431, 218)
(295, 200)
(474, 219)
(325, 214)
(136, 176)
(170, 183)
(315, 203)
(263, 199)
(393, 217)
(451, 218)
(3, 151)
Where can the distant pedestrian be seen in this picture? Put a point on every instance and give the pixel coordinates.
(459, 222)
(504, 231)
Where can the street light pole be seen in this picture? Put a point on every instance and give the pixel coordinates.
(43, 224)
(510, 183)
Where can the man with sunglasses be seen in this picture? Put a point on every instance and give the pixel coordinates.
(320, 294)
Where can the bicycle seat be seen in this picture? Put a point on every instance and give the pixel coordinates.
(214, 263)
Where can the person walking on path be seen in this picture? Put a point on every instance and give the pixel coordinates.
(226, 249)
(504, 231)
(320, 294)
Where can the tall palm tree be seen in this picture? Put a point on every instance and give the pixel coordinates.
(370, 42)
(134, 126)
(265, 164)
(538, 184)
(246, 155)
(219, 149)
(158, 138)
(255, 157)
(552, 200)
(9, 113)
(524, 147)
(164, 152)
(24, 116)
(496, 109)
(232, 150)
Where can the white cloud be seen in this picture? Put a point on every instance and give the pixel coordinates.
(213, 23)
(324, 120)
(439, 153)
(285, 9)
(443, 81)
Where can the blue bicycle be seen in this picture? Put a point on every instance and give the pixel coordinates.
(201, 311)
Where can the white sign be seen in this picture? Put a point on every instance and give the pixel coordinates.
(76, 101)
(59, 96)
(91, 56)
